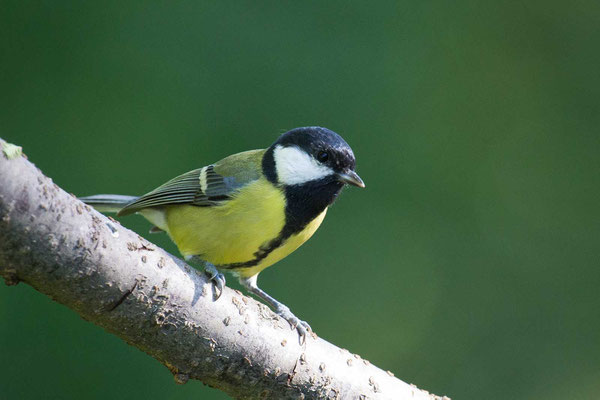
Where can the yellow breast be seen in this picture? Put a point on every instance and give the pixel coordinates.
(291, 244)
(234, 231)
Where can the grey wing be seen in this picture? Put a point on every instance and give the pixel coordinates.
(201, 187)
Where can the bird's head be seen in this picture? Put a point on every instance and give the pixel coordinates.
(312, 156)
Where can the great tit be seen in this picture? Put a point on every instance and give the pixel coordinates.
(249, 210)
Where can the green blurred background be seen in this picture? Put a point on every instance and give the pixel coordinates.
(468, 266)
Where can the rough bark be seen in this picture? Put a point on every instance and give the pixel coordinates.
(118, 280)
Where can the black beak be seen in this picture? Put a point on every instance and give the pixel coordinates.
(351, 178)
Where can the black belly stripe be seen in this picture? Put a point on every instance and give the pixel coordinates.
(260, 255)
(303, 204)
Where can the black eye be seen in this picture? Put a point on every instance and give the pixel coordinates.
(322, 156)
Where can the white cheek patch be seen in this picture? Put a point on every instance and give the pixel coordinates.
(295, 166)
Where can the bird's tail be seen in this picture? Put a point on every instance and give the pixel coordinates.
(111, 203)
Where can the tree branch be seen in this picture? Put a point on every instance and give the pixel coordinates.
(118, 280)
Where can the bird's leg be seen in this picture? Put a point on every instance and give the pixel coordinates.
(280, 309)
(217, 278)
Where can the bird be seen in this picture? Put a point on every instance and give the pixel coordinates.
(249, 210)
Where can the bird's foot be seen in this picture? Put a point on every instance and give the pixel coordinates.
(280, 309)
(301, 326)
(217, 278)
